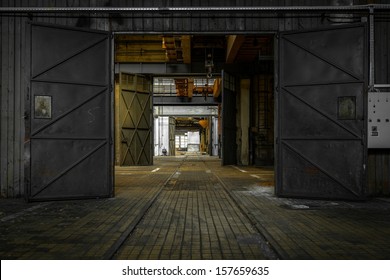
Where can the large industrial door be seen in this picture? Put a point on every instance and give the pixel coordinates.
(135, 120)
(68, 114)
(229, 146)
(321, 113)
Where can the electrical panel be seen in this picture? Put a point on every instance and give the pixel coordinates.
(378, 120)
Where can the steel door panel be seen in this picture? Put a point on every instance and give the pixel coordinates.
(86, 118)
(319, 71)
(307, 179)
(87, 72)
(70, 149)
(70, 98)
(319, 161)
(321, 113)
(58, 47)
(80, 165)
(318, 105)
(135, 120)
(74, 69)
(316, 44)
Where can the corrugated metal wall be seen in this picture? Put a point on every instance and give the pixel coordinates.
(11, 150)
(13, 83)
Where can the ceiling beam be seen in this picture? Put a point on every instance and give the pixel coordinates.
(137, 49)
(234, 43)
(140, 58)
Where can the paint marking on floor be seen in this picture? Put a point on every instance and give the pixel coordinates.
(155, 170)
(208, 171)
(255, 176)
(244, 171)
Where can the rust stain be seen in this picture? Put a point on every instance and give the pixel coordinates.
(311, 170)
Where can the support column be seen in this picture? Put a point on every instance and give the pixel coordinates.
(162, 135)
(245, 119)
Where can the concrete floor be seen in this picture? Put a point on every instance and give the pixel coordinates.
(191, 207)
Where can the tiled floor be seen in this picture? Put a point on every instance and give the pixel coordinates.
(193, 218)
(191, 207)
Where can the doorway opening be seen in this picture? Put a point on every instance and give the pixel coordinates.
(207, 93)
(186, 115)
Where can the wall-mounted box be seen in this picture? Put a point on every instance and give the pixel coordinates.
(378, 120)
